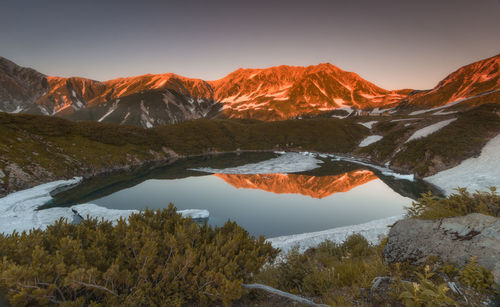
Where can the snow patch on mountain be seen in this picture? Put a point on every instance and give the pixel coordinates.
(17, 110)
(450, 104)
(339, 101)
(372, 231)
(474, 173)
(404, 119)
(321, 89)
(437, 108)
(378, 111)
(442, 112)
(429, 129)
(111, 110)
(370, 124)
(289, 162)
(370, 140)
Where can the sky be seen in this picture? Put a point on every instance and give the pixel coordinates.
(392, 43)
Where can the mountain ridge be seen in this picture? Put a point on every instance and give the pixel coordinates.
(274, 93)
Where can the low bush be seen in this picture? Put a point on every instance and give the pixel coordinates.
(430, 207)
(333, 272)
(425, 292)
(155, 258)
(477, 277)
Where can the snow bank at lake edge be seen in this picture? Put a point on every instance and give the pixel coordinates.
(18, 210)
(370, 140)
(287, 162)
(372, 231)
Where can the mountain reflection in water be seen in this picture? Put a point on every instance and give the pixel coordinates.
(313, 186)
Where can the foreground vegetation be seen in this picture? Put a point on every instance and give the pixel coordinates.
(157, 258)
(430, 207)
(343, 274)
(160, 258)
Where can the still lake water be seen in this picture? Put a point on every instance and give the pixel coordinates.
(336, 194)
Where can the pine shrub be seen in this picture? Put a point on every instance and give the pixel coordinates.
(155, 258)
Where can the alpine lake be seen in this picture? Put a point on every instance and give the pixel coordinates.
(337, 193)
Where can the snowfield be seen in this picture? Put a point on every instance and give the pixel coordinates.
(369, 125)
(429, 129)
(386, 171)
(450, 104)
(444, 113)
(370, 140)
(371, 231)
(288, 162)
(474, 173)
(18, 211)
(404, 119)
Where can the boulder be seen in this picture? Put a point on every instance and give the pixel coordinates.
(454, 240)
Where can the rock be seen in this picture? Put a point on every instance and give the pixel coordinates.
(454, 240)
(2, 174)
(17, 177)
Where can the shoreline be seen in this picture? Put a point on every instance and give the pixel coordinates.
(19, 213)
(172, 159)
(176, 157)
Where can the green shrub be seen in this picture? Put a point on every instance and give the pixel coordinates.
(357, 246)
(425, 292)
(430, 207)
(450, 270)
(477, 277)
(327, 269)
(156, 258)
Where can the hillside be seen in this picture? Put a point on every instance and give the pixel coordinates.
(146, 101)
(36, 149)
(19, 87)
(472, 80)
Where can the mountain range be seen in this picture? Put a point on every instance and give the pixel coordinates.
(275, 93)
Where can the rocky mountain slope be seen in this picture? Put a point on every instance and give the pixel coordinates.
(290, 91)
(478, 79)
(147, 101)
(19, 87)
(274, 93)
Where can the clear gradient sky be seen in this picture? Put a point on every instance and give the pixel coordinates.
(393, 43)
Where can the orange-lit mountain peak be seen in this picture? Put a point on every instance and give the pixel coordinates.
(313, 186)
(479, 78)
(282, 92)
